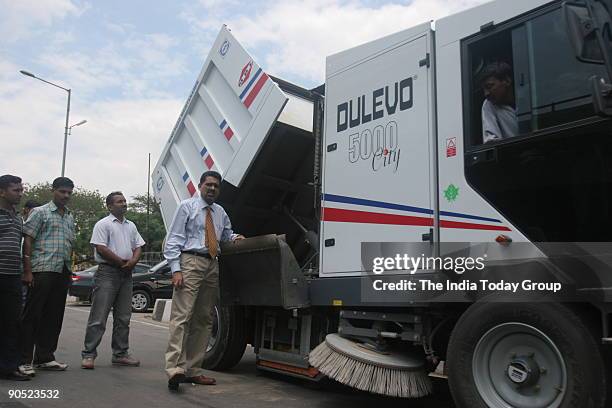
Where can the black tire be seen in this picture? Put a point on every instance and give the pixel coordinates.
(228, 338)
(141, 301)
(549, 329)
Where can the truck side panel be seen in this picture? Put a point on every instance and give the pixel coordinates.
(378, 145)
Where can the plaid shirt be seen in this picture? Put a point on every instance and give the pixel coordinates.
(53, 236)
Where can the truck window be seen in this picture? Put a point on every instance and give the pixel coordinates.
(552, 179)
(549, 85)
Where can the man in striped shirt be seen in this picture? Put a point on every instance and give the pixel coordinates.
(11, 192)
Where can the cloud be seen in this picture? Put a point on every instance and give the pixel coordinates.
(122, 84)
(138, 65)
(129, 81)
(292, 38)
(22, 19)
(107, 153)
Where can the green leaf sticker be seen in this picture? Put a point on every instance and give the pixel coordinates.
(451, 193)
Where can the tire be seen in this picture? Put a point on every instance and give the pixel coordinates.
(141, 301)
(227, 338)
(492, 340)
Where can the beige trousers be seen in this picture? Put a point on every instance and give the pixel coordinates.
(191, 315)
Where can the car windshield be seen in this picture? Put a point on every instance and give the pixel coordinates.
(159, 266)
(89, 270)
(141, 268)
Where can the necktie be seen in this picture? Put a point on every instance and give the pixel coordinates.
(210, 237)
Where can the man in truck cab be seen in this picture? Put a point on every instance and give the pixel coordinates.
(191, 249)
(499, 119)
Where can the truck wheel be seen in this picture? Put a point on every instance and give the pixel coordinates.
(227, 338)
(532, 355)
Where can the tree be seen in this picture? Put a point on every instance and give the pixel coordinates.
(154, 232)
(88, 207)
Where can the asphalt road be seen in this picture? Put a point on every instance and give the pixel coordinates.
(146, 386)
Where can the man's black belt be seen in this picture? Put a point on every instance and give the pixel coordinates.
(203, 255)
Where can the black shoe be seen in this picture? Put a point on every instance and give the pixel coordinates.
(175, 380)
(16, 376)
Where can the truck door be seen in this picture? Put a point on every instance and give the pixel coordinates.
(378, 145)
(224, 123)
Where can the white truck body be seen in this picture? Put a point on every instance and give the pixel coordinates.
(385, 167)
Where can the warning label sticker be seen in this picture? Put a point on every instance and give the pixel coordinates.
(451, 147)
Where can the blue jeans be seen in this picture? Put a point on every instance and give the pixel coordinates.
(112, 289)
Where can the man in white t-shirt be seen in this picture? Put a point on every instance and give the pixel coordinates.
(499, 119)
(117, 248)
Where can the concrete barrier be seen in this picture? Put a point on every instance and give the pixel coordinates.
(161, 310)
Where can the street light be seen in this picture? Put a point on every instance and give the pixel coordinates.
(77, 124)
(26, 73)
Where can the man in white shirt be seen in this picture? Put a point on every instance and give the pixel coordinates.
(192, 246)
(499, 119)
(117, 248)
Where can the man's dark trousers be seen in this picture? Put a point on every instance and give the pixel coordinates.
(112, 289)
(10, 314)
(43, 316)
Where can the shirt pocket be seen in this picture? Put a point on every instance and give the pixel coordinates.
(195, 226)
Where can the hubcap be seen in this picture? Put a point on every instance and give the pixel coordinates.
(517, 365)
(524, 371)
(139, 301)
(215, 330)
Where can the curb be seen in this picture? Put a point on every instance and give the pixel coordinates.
(161, 310)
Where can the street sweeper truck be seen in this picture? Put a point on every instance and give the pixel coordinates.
(442, 205)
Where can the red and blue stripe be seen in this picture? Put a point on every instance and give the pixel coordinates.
(190, 187)
(226, 129)
(331, 214)
(208, 160)
(253, 88)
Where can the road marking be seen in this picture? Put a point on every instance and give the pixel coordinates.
(111, 317)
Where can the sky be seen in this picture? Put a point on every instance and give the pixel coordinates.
(132, 63)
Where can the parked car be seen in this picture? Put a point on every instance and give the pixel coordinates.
(149, 284)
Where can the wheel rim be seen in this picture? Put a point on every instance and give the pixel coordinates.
(139, 301)
(517, 365)
(215, 330)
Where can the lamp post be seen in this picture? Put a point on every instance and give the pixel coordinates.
(26, 73)
(70, 133)
(75, 125)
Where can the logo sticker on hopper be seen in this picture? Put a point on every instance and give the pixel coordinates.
(246, 73)
(224, 48)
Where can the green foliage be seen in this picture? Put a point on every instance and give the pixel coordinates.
(89, 206)
(152, 232)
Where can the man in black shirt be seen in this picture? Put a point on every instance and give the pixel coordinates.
(11, 192)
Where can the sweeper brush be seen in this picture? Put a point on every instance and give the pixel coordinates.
(380, 372)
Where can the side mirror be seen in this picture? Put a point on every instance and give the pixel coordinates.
(602, 96)
(582, 32)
